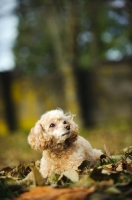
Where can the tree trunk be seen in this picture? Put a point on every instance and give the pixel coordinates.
(6, 81)
(64, 59)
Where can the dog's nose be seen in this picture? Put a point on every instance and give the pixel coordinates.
(68, 127)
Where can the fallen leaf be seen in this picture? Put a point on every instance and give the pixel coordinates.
(85, 181)
(48, 193)
(85, 164)
(112, 190)
(39, 180)
(106, 150)
(70, 174)
(103, 185)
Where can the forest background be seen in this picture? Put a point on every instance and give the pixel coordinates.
(75, 55)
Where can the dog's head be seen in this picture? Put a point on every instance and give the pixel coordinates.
(54, 130)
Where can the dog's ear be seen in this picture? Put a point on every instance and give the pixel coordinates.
(38, 139)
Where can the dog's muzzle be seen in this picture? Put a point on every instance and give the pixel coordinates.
(67, 133)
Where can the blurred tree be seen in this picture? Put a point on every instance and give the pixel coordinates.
(55, 42)
(9, 108)
(8, 23)
(63, 32)
(73, 38)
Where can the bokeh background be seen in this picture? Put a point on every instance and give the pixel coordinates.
(75, 55)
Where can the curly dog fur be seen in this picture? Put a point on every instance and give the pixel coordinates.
(56, 134)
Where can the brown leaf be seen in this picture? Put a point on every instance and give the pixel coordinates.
(48, 193)
(84, 165)
(20, 171)
(103, 185)
(107, 152)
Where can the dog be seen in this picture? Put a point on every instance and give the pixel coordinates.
(56, 134)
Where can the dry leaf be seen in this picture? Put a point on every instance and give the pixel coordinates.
(85, 181)
(39, 181)
(106, 150)
(84, 165)
(112, 190)
(70, 174)
(48, 193)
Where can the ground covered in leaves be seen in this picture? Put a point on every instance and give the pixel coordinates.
(110, 178)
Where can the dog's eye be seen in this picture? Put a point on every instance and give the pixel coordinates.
(52, 125)
(64, 122)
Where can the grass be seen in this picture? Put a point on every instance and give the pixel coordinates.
(14, 150)
(115, 136)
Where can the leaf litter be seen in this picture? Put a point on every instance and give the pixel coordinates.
(110, 178)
